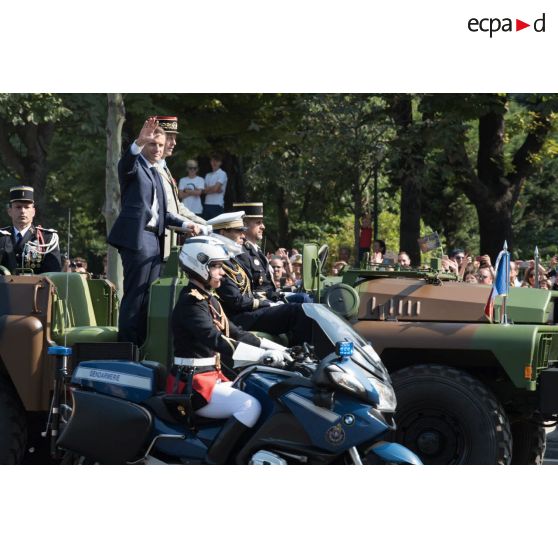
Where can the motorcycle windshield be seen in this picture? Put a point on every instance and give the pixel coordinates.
(330, 328)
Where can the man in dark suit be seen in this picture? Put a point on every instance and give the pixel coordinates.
(138, 232)
(23, 245)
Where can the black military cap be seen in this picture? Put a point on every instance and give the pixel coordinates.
(21, 193)
(168, 123)
(251, 209)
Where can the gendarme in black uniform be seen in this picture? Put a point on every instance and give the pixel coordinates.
(250, 312)
(256, 266)
(12, 249)
(253, 260)
(253, 313)
(201, 328)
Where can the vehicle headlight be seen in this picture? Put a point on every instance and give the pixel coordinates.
(388, 401)
(345, 380)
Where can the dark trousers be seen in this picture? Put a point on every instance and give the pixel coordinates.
(210, 211)
(361, 252)
(141, 268)
(285, 318)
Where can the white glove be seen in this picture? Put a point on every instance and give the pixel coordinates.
(269, 344)
(273, 357)
(245, 354)
(205, 230)
(187, 225)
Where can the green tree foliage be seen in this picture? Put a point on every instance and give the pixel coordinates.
(311, 160)
(76, 180)
(321, 171)
(27, 125)
(492, 169)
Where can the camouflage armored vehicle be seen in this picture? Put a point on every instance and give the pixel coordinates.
(468, 391)
(40, 311)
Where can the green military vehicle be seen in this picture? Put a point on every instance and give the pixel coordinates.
(468, 391)
(73, 309)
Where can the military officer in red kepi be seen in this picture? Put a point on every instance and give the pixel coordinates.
(23, 245)
(170, 125)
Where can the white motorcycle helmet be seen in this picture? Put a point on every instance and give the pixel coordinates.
(197, 255)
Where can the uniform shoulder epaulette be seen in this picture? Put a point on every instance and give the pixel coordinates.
(5, 231)
(248, 245)
(46, 230)
(197, 295)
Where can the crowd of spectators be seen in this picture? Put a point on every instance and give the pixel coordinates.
(480, 270)
(204, 196)
(468, 268)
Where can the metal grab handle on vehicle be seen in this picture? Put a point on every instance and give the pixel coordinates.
(35, 293)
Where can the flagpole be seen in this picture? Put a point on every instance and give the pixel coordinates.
(503, 310)
(537, 285)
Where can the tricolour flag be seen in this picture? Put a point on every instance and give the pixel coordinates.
(501, 283)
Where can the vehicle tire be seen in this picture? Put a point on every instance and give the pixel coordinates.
(446, 416)
(529, 443)
(13, 426)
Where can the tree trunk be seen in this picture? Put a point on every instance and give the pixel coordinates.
(37, 140)
(357, 199)
(115, 120)
(282, 218)
(240, 191)
(493, 192)
(409, 227)
(408, 175)
(31, 168)
(495, 221)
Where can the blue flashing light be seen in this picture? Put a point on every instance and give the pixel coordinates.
(344, 348)
(59, 350)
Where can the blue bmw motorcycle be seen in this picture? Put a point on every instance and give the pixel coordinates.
(333, 404)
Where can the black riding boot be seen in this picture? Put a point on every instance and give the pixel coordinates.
(225, 441)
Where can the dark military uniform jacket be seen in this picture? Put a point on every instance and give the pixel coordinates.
(200, 326)
(235, 291)
(11, 251)
(256, 266)
(201, 329)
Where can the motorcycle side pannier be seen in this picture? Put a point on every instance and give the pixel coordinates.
(106, 429)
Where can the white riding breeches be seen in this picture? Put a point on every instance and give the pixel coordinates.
(227, 401)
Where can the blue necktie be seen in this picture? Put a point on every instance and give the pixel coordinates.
(161, 198)
(18, 237)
